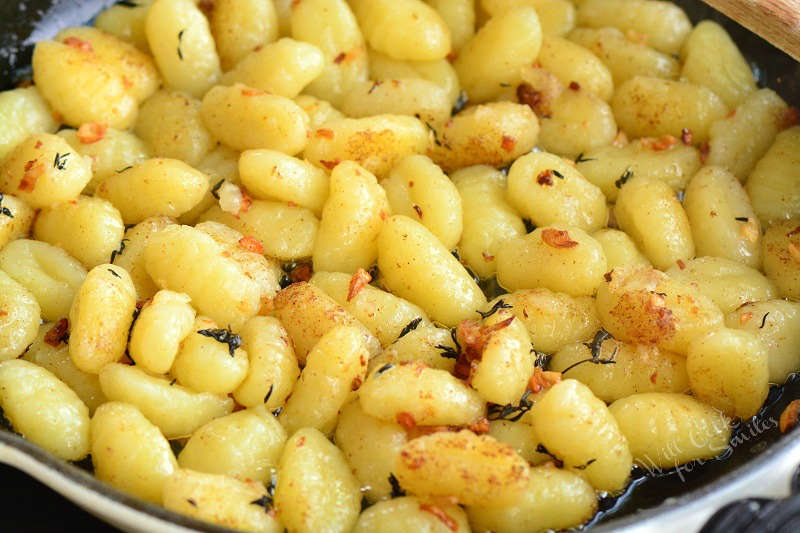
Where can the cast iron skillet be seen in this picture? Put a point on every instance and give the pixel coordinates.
(652, 497)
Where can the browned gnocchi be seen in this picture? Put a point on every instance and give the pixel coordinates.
(393, 265)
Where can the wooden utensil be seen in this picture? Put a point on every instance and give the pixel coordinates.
(777, 21)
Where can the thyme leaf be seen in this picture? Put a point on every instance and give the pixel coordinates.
(180, 41)
(4, 210)
(499, 304)
(596, 346)
(267, 501)
(628, 174)
(225, 336)
(397, 490)
(115, 253)
(584, 465)
(383, 369)
(436, 140)
(269, 393)
(215, 189)
(541, 449)
(509, 411)
(461, 102)
(447, 351)
(60, 161)
(411, 326)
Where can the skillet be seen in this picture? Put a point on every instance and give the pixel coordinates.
(760, 463)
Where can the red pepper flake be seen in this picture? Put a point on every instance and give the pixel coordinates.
(574, 86)
(356, 384)
(301, 272)
(480, 427)
(508, 143)
(359, 280)
(744, 318)
(607, 276)
(406, 420)
(788, 118)
(410, 183)
(246, 202)
(57, 333)
(251, 244)
(417, 210)
(324, 133)
(529, 96)
(681, 264)
(654, 377)
(451, 56)
(789, 416)
(545, 178)
(473, 337)
(542, 380)
(32, 172)
(794, 232)
(665, 142)
(126, 82)
(250, 92)
(77, 42)
(705, 149)
(487, 257)
(329, 164)
(439, 513)
(383, 215)
(686, 136)
(38, 145)
(91, 132)
(291, 204)
(295, 3)
(301, 442)
(557, 238)
(731, 113)
(338, 59)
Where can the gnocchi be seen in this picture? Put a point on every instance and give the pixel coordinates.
(388, 265)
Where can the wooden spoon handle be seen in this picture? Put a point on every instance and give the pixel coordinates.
(777, 21)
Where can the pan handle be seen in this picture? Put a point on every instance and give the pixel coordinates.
(754, 515)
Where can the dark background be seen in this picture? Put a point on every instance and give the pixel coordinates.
(27, 505)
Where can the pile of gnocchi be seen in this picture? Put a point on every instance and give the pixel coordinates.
(393, 265)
